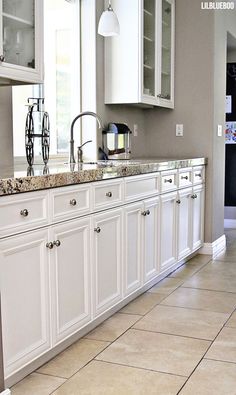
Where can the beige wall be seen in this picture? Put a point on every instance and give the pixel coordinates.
(6, 142)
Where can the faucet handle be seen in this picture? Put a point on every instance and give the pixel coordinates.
(80, 151)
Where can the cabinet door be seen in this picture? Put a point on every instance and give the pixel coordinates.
(149, 49)
(151, 238)
(165, 79)
(106, 262)
(70, 277)
(21, 40)
(168, 230)
(24, 283)
(198, 199)
(132, 247)
(184, 204)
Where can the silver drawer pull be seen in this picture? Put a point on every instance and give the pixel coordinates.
(194, 196)
(57, 243)
(24, 213)
(97, 230)
(178, 201)
(109, 194)
(49, 245)
(198, 175)
(184, 177)
(73, 202)
(168, 180)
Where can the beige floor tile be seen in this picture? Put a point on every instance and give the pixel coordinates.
(212, 378)
(228, 256)
(37, 384)
(216, 279)
(143, 304)
(166, 286)
(185, 322)
(185, 271)
(73, 358)
(232, 321)
(224, 347)
(99, 378)
(112, 328)
(156, 351)
(221, 302)
(199, 259)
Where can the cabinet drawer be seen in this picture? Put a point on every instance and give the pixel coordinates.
(139, 187)
(23, 212)
(107, 194)
(168, 180)
(70, 202)
(185, 178)
(198, 175)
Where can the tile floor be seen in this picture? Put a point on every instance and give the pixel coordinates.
(177, 338)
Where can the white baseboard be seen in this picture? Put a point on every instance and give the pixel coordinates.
(214, 248)
(230, 223)
(6, 392)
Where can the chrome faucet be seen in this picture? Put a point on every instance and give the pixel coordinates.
(93, 114)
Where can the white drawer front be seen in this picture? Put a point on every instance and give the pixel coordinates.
(198, 175)
(107, 194)
(139, 187)
(23, 212)
(168, 180)
(70, 202)
(185, 178)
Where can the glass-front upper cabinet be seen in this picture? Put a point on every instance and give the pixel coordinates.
(149, 47)
(21, 38)
(166, 50)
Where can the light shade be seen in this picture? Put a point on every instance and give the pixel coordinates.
(108, 24)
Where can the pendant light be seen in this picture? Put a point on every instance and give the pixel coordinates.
(108, 24)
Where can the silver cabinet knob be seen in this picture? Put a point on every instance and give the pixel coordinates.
(144, 213)
(109, 194)
(184, 177)
(148, 212)
(168, 180)
(2, 58)
(24, 213)
(178, 201)
(57, 243)
(97, 230)
(73, 202)
(49, 245)
(194, 196)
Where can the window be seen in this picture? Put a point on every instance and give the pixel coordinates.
(61, 88)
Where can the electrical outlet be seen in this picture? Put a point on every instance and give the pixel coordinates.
(135, 133)
(179, 130)
(219, 130)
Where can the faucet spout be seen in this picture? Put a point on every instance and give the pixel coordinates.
(72, 143)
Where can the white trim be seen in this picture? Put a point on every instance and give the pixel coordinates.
(214, 248)
(6, 392)
(230, 223)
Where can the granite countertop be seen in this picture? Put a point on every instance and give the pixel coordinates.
(20, 179)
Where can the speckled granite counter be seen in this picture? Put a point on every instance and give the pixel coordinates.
(20, 180)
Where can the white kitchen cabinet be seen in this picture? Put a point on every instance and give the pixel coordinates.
(21, 41)
(139, 63)
(106, 260)
(70, 277)
(184, 223)
(168, 230)
(198, 200)
(133, 220)
(151, 231)
(24, 285)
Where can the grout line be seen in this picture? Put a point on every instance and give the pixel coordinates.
(209, 290)
(219, 360)
(50, 375)
(172, 334)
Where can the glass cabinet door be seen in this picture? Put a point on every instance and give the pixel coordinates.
(18, 32)
(149, 47)
(166, 51)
